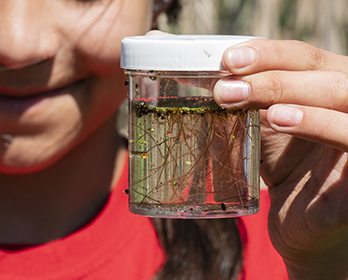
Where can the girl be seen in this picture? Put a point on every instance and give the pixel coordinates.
(63, 213)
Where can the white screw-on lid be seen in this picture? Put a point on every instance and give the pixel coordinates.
(177, 52)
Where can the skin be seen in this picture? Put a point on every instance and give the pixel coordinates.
(60, 87)
(303, 94)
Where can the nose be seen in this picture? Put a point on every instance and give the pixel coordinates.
(26, 36)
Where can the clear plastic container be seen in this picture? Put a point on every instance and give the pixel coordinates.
(188, 157)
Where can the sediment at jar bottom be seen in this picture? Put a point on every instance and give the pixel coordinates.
(220, 210)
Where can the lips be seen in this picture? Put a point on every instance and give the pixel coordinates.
(17, 102)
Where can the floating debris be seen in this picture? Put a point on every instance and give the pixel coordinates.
(138, 154)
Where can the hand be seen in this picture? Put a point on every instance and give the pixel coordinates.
(303, 92)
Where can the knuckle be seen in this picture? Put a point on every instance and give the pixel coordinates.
(339, 91)
(275, 89)
(314, 57)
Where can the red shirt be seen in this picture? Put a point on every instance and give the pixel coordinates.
(110, 247)
(261, 260)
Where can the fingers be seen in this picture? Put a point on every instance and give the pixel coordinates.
(319, 102)
(271, 74)
(325, 89)
(263, 54)
(310, 123)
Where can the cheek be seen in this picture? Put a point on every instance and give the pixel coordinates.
(100, 52)
(106, 95)
(100, 46)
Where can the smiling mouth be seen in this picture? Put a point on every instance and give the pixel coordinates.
(15, 103)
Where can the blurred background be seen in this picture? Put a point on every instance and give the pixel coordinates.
(323, 23)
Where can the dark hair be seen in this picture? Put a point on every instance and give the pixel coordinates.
(173, 11)
(206, 249)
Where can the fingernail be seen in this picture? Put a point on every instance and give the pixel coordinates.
(242, 57)
(232, 91)
(285, 116)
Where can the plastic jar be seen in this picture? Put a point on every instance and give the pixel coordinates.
(188, 157)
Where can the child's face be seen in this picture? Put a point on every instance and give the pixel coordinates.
(59, 73)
